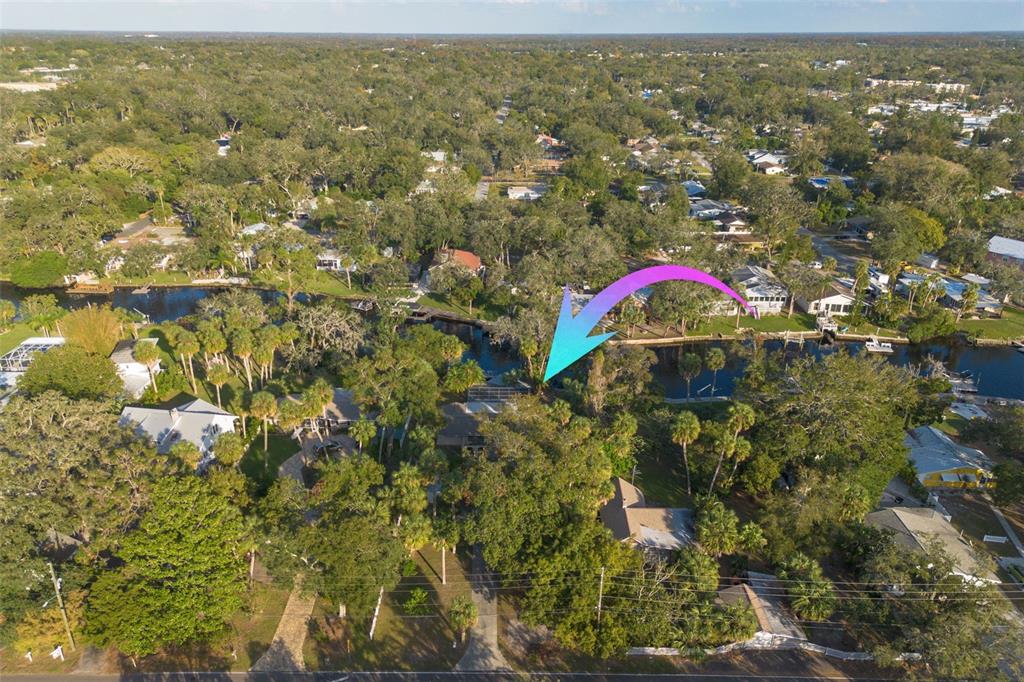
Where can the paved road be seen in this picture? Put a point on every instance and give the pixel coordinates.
(1009, 530)
(825, 246)
(754, 666)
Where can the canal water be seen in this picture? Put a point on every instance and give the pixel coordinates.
(998, 371)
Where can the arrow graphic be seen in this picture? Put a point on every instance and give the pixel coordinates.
(571, 340)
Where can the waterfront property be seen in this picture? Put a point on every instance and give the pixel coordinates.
(197, 422)
(942, 463)
(837, 300)
(134, 374)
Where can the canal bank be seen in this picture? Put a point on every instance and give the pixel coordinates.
(998, 369)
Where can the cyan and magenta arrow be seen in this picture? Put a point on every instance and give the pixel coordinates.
(572, 341)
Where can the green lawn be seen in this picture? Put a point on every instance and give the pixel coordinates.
(800, 322)
(159, 277)
(401, 641)
(1009, 326)
(253, 630)
(14, 335)
(261, 465)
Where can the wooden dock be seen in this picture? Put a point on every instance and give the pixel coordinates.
(90, 288)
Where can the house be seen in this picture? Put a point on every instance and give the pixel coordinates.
(915, 528)
(942, 463)
(1005, 250)
(15, 361)
(339, 413)
(730, 223)
(197, 422)
(466, 259)
(335, 261)
(133, 373)
(462, 423)
(761, 289)
(254, 229)
(928, 260)
(769, 163)
(521, 193)
(694, 188)
(656, 529)
(837, 300)
(770, 168)
(708, 209)
(954, 294)
(436, 160)
(762, 594)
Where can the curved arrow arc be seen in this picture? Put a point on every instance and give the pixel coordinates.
(572, 338)
(609, 297)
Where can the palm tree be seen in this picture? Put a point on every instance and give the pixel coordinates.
(242, 343)
(686, 430)
(320, 394)
(363, 432)
(741, 417)
(714, 360)
(148, 354)
(264, 408)
(187, 345)
(218, 375)
(740, 454)
(689, 367)
(725, 443)
(229, 448)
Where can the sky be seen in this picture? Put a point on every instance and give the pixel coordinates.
(514, 16)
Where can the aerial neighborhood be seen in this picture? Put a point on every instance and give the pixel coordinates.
(275, 318)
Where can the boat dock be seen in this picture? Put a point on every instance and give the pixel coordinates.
(90, 288)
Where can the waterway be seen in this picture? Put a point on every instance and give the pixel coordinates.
(999, 371)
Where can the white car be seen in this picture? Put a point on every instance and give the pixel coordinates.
(816, 264)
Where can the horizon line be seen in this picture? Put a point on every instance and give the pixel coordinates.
(160, 33)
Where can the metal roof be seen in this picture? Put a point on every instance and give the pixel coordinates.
(19, 358)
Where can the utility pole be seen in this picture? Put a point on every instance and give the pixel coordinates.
(60, 604)
(376, 612)
(600, 597)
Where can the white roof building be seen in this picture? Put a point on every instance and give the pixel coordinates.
(1006, 249)
(197, 422)
(526, 193)
(134, 374)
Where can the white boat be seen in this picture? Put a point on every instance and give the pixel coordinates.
(873, 345)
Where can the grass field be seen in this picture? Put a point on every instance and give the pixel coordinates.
(261, 465)
(14, 335)
(401, 641)
(1009, 326)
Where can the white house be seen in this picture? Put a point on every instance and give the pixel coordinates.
(134, 374)
(197, 422)
(521, 193)
(761, 289)
(838, 300)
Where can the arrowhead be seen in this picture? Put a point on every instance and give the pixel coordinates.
(571, 340)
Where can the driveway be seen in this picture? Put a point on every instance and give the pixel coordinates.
(483, 653)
